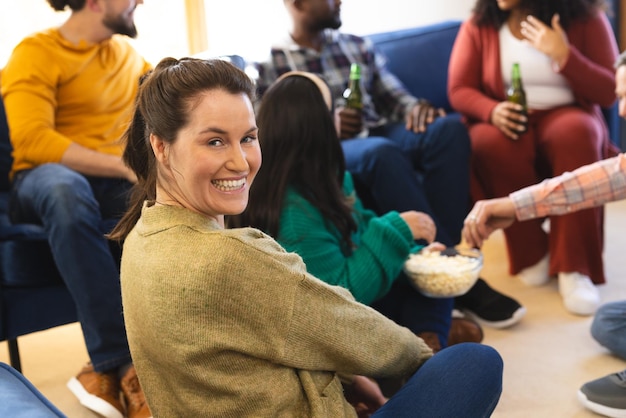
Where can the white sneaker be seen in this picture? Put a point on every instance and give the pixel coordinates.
(537, 274)
(580, 295)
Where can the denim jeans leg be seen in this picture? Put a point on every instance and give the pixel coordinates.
(441, 155)
(609, 327)
(384, 178)
(464, 380)
(62, 200)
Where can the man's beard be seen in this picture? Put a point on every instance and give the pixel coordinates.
(330, 23)
(120, 26)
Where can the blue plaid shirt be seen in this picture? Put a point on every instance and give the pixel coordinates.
(385, 99)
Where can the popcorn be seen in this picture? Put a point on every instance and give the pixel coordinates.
(436, 275)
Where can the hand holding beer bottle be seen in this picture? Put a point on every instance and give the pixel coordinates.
(516, 94)
(511, 116)
(350, 115)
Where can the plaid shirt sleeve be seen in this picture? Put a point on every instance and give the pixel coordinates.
(588, 186)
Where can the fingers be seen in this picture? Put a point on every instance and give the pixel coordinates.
(470, 232)
(556, 23)
(428, 231)
(422, 115)
(435, 246)
(350, 123)
(475, 230)
(508, 117)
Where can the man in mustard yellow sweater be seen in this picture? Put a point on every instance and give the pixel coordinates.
(69, 93)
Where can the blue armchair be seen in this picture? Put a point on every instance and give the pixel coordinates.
(32, 294)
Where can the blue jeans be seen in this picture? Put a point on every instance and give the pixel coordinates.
(609, 327)
(396, 169)
(464, 380)
(72, 209)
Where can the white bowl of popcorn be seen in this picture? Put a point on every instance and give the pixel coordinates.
(444, 274)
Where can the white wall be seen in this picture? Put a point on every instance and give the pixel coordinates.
(161, 25)
(254, 24)
(245, 27)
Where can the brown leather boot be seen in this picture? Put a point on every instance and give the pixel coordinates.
(464, 330)
(136, 406)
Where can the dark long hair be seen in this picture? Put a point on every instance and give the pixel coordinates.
(487, 13)
(300, 149)
(164, 102)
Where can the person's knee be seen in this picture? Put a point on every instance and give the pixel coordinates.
(64, 193)
(70, 191)
(451, 131)
(601, 324)
(486, 355)
(385, 152)
(380, 152)
(483, 357)
(480, 363)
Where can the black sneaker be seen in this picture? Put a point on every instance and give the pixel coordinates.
(605, 396)
(489, 307)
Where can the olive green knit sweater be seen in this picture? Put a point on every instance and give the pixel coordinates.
(225, 323)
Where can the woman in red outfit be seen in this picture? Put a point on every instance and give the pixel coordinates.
(566, 50)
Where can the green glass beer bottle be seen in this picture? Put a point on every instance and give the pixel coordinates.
(516, 93)
(353, 94)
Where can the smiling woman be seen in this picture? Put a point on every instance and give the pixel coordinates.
(237, 321)
(210, 166)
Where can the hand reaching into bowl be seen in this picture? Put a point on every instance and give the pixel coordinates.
(485, 217)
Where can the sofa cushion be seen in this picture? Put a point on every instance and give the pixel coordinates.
(419, 58)
(27, 264)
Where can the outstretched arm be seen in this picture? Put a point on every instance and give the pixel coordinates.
(485, 217)
(588, 186)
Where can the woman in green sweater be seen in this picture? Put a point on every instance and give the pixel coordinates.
(225, 322)
(305, 199)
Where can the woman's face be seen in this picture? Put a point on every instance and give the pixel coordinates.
(508, 5)
(210, 167)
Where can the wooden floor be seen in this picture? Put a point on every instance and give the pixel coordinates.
(547, 356)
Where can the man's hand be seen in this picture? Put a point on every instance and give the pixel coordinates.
(485, 217)
(350, 122)
(422, 115)
(93, 163)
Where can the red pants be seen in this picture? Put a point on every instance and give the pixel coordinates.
(557, 140)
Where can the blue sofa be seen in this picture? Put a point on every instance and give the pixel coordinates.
(419, 57)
